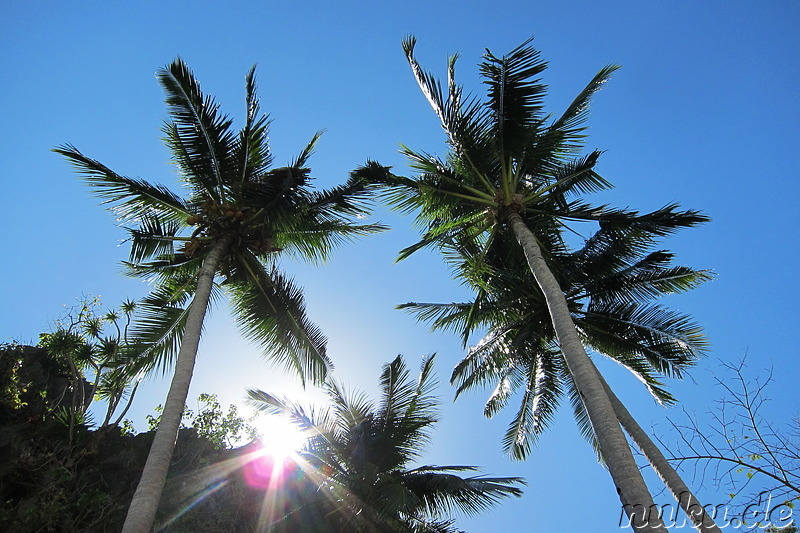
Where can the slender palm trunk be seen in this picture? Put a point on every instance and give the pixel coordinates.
(636, 499)
(144, 505)
(701, 520)
(128, 404)
(112, 406)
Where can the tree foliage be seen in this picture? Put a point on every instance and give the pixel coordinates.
(739, 448)
(361, 454)
(224, 428)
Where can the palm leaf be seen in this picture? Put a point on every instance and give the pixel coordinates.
(569, 127)
(157, 331)
(538, 404)
(515, 96)
(200, 138)
(466, 122)
(580, 414)
(129, 198)
(314, 239)
(444, 492)
(508, 383)
(251, 150)
(648, 278)
(270, 311)
(152, 238)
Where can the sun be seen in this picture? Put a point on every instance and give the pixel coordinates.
(280, 438)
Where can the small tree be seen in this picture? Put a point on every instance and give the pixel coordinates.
(224, 429)
(360, 455)
(102, 363)
(739, 450)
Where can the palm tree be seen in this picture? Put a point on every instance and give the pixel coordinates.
(239, 214)
(360, 454)
(511, 170)
(610, 284)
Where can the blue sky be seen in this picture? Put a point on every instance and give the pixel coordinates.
(703, 112)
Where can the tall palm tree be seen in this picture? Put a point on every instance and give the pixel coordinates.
(610, 284)
(512, 170)
(238, 215)
(360, 453)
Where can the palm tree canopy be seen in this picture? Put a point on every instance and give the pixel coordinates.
(365, 450)
(235, 199)
(508, 155)
(610, 284)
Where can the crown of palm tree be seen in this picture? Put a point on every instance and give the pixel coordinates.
(365, 451)
(234, 194)
(507, 155)
(610, 284)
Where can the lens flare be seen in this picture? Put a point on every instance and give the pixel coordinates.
(271, 466)
(267, 471)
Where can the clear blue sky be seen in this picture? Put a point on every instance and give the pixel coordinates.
(703, 112)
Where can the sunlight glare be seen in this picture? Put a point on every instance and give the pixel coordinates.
(280, 438)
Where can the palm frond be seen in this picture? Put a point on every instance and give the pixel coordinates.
(406, 412)
(538, 405)
(361, 452)
(251, 151)
(444, 231)
(200, 137)
(128, 198)
(271, 312)
(430, 86)
(659, 223)
(314, 238)
(157, 330)
(648, 278)
(515, 96)
(350, 408)
(153, 238)
(576, 177)
(465, 120)
(302, 158)
(668, 339)
(423, 404)
(303, 418)
(354, 198)
(163, 268)
(399, 191)
(453, 316)
(570, 125)
(580, 414)
(508, 383)
(444, 493)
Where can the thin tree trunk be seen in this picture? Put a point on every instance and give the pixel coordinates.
(142, 511)
(112, 406)
(636, 499)
(673, 481)
(128, 405)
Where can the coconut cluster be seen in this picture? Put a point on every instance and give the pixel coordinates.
(216, 219)
(495, 215)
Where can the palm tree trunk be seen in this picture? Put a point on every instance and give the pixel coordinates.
(636, 499)
(142, 511)
(128, 404)
(686, 499)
